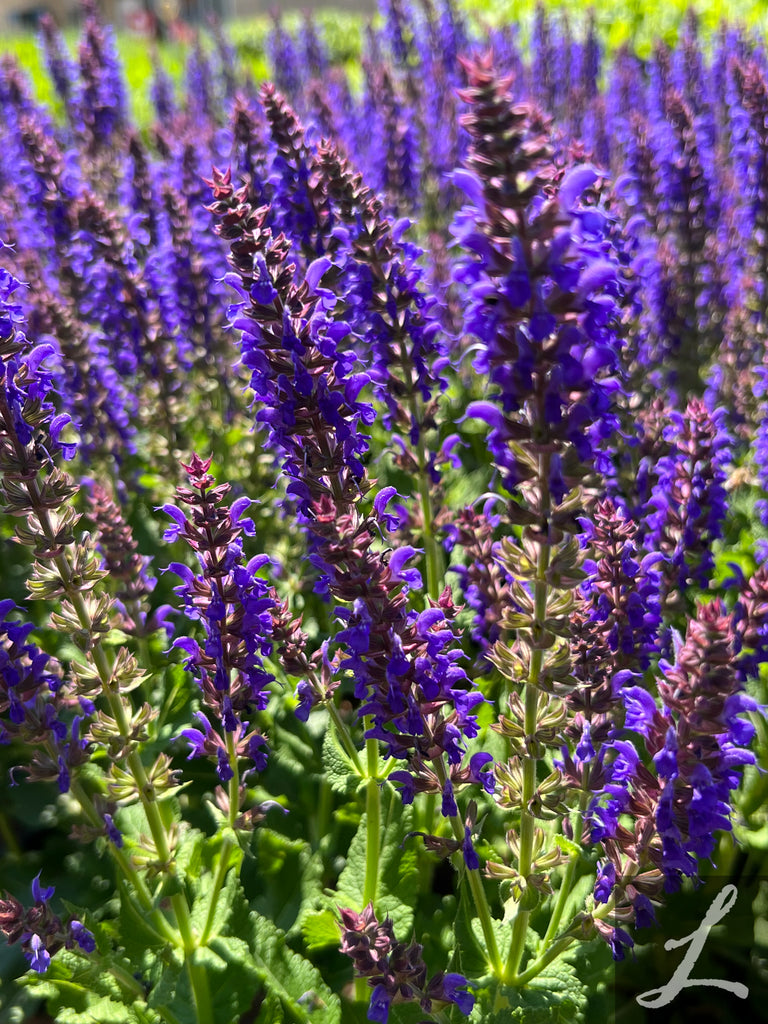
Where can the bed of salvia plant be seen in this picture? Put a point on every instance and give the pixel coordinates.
(383, 481)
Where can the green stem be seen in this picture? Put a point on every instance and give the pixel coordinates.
(432, 550)
(570, 869)
(197, 975)
(527, 822)
(559, 946)
(544, 960)
(131, 875)
(562, 899)
(431, 547)
(430, 808)
(128, 983)
(482, 910)
(325, 805)
(234, 782)
(372, 841)
(221, 873)
(344, 737)
(373, 820)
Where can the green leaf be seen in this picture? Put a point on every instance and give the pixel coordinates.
(233, 989)
(271, 1011)
(229, 895)
(288, 976)
(278, 875)
(294, 754)
(556, 996)
(320, 930)
(82, 990)
(398, 880)
(469, 954)
(188, 855)
(567, 845)
(136, 938)
(102, 1011)
(172, 996)
(339, 770)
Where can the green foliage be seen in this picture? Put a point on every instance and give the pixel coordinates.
(557, 996)
(99, 988)
(469, 953)
(290, 978)
(288, 876)
(340, 773)
(320, 930)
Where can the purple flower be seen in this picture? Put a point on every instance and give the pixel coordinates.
(606, 879)
(82, 936)
(449, 808)
(223, 767)
(480, 771)
(641, 709)
(452, 985)
(405, 784)
(113, 833)
(379, 1006)
(41, 895)
(470, 856)
(38, 956)
(666, 759)
(645, 915)
(411, 578)
(382, 499)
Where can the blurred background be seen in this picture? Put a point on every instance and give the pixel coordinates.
(157, 17)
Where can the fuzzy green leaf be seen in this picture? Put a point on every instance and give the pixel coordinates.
(172, 996)
(339, 770)
(556, 996)
(286, 877)
(567, 845)
(75, 984)
(320, 930)
(469, 954)
(230, 894)
(288, 976)
(271, 1011)
(103, 1011)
